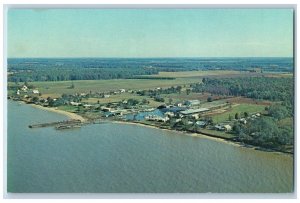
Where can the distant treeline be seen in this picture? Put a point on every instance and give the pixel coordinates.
(59, 69)
(153, 78)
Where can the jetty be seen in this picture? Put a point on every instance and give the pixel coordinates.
(72, 122)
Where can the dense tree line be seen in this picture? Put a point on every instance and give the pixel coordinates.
(266, 88)
(78, 74)
(264, 132)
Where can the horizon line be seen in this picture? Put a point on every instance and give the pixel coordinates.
(112, 57)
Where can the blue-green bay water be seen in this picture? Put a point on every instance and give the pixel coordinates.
(128, 158)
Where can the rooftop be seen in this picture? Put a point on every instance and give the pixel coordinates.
(192, 111)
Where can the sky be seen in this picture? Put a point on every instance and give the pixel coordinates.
(149, 33)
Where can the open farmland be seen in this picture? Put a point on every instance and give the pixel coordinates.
(55, 89)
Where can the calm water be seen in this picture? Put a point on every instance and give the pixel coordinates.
(129, 158)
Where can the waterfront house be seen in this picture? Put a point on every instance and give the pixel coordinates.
(222, 127)
(219, 127)
(201, 123)
(227, 127)
(156, 118)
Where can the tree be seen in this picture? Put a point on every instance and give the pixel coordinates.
(209, 99)
(50, 101)
(35, 99)
(188, 91)
(236, 116)
(278, 111)
(246, 114)
(132, 102)
(145, 101)
(159, 99)
(170, 100)
(230, 117)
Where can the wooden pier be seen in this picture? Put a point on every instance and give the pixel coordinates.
(56, 124)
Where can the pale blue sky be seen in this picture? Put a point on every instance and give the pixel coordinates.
(150, 32)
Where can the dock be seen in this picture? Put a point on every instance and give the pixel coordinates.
(72, 122)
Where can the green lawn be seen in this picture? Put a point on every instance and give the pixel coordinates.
(67, 108)
(241, 108)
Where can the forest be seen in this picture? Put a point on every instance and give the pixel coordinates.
(62, 69)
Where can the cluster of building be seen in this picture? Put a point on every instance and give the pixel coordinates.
(25, 89)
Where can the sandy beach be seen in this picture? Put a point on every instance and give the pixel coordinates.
(55, 110)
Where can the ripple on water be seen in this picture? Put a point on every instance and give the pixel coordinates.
(129, 158)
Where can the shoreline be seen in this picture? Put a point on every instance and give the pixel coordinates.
(184, 133)
(66, 113)
(200, 135)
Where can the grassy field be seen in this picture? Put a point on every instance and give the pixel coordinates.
(120, 97)
(55, 89)
(240, 108)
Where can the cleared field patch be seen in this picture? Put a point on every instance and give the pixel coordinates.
(240, 109)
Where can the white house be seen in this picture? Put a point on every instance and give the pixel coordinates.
(122, 90)
(106, 96)
(75, 103)
(201, 123)
(87, 105)
(227, 127)
(24, 88)
(35, 91)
